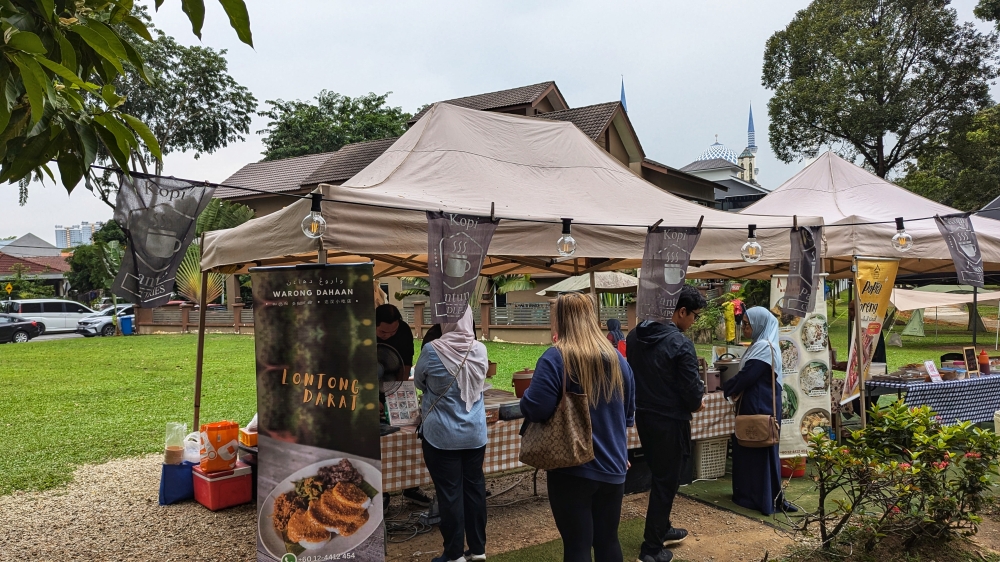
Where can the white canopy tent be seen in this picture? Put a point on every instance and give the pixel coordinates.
(858, 209)
(906, 299)
(529, 172)
(604, 282)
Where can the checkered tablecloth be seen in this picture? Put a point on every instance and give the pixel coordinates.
(403, 459)
(975, 399)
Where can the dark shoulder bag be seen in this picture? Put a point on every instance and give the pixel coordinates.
(758, 430)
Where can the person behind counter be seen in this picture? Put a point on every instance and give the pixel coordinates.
(392, 330)
(451, 372)
(586, 500)
(669, 389)
(757, 471)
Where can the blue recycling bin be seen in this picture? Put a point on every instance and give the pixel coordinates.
(126, 324)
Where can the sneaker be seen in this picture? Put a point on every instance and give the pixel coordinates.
(470, 557)
(674, 536)
(417, 496)
(661, 556)
(444, 558)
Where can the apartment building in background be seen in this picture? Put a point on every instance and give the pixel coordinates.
(76, 235)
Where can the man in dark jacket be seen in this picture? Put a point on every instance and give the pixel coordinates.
(668, 389)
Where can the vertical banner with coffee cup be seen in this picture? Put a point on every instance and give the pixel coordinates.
(664, 266)
(873, 281)
(803, 266)
(158, 216)
(456, 247)
(964, 248)
(319, 478)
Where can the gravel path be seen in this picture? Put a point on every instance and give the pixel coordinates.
(110, 512)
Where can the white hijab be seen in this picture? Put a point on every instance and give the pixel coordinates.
(458, 340)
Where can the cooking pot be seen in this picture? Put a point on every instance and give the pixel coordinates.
(727, 367)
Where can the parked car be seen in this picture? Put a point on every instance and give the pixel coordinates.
(15, 329)
(101, 324)
(52, 315)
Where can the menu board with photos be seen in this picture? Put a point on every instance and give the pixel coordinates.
(404, 409)
(807, 373)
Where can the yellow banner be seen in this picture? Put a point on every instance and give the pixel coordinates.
(873, 282)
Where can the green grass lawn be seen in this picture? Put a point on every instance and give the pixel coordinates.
(76, 401)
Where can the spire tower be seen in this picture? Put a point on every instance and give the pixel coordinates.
(751, 136)
(748, 158)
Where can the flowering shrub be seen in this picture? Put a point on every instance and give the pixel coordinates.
(904, 475)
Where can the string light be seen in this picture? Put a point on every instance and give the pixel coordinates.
(566, 245)
(901, 241)
(314, 225)
(751, 251)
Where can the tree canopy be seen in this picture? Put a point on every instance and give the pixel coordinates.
(298, 128)
(878, 80)
(59, 64)
(965, 170)
(190, 101)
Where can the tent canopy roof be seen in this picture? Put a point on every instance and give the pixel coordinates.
(528, 172)
(604, 282)
(859, 211)
(904, 299)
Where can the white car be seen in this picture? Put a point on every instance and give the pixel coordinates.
(52, 315)
(101, 324)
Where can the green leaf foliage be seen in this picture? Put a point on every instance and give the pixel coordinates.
(221, 214)
(298, 128)
(962, 169)
(67, 69)
(874, 79)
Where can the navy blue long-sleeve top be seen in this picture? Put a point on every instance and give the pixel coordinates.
(609, 419)
(754, 381)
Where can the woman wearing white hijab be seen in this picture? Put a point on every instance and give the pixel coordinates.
(451, 372)
(757, 471)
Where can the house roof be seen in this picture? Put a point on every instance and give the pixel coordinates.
(735, 182)
(275, 176)
(496, 100)
(711, 164)
(30, 245)
(36, 265)
(591, 119)
(663, 168)
(349, 160)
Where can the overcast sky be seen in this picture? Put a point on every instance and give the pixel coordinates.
(691, 70)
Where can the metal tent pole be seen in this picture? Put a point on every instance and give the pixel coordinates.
(201, 349)
(975, 314)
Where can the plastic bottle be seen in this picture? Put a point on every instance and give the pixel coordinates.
(984, 363)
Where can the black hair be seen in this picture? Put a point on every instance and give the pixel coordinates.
(690, 299)
(387, 314)
(433, 333)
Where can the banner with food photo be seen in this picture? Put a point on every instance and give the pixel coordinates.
(319, 477)
(873, 279)
(806, 372)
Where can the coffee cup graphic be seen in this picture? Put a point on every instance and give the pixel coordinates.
(457, 266)
(162, 243)
(672, 273)
(968, 248)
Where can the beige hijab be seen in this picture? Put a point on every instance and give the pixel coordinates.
(464, 357)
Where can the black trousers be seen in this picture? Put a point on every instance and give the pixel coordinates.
(587, 513)
(461, 494)
(666, 444)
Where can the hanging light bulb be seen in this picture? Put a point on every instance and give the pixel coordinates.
(566, 245)
(314, 225)
(751, 251)
(901, 241)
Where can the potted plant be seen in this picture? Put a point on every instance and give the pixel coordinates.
(793, 468)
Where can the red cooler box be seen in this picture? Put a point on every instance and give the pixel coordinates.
(219, 490)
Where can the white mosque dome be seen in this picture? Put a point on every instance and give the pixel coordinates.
(718, 150)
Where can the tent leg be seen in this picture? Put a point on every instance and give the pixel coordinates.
(200, 360)
(975, 314)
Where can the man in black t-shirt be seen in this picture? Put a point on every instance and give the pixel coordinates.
(392, 330)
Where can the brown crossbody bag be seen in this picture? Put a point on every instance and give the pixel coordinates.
(758, 430)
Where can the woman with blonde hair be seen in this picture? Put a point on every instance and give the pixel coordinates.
(586, 500)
